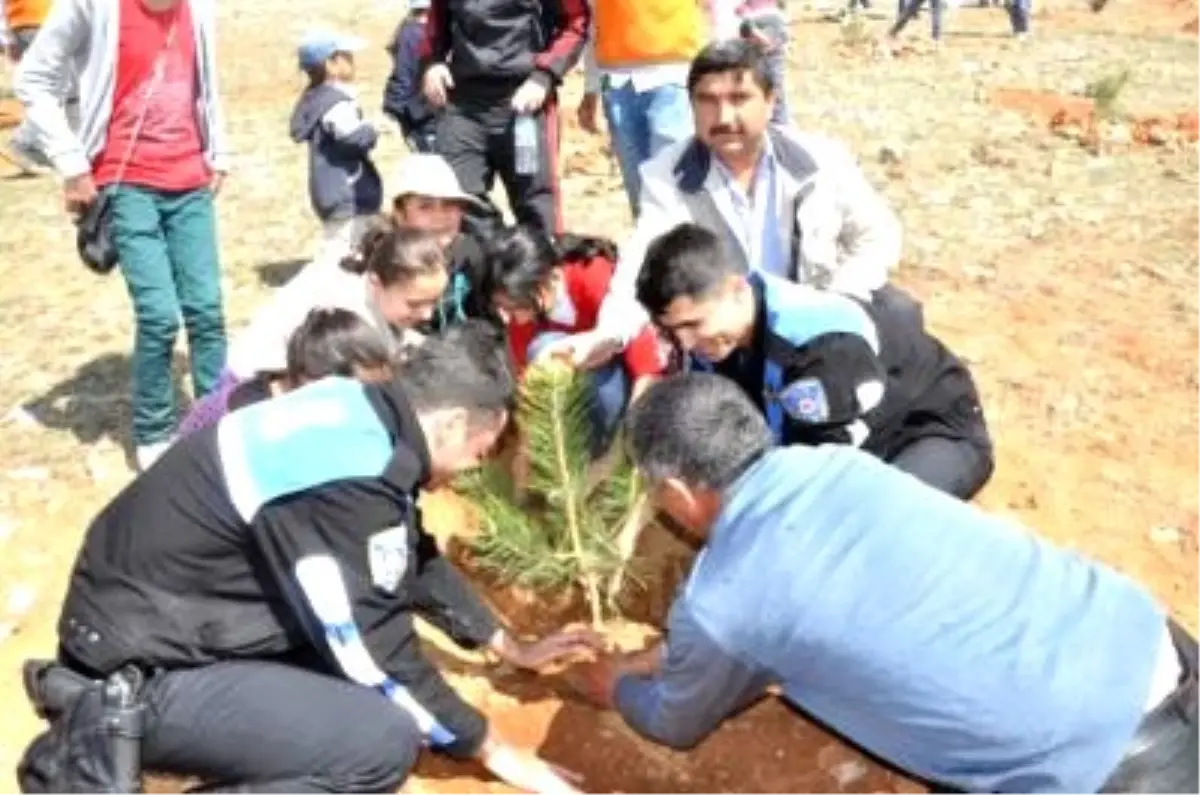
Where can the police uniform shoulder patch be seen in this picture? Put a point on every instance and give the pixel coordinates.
(387, 554)
(804, 400)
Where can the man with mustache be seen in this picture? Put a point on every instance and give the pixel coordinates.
(791, 203)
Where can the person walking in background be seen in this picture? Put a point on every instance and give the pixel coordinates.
(495, 66)
(402, 98)
(344, 186)
(151, 136)
(22, 19)
(763, 23)
(636, 65)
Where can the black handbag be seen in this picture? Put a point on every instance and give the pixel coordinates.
(92, 240)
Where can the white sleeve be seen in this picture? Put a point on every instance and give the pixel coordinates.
(44, 71)
(343, 119)
(621, 316)
(870, 240)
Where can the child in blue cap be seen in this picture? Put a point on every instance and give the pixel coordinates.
(344, 185)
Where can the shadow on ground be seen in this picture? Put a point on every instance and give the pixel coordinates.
(279, 273)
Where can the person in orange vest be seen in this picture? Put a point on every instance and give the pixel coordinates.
(22, 20)
(636, 65)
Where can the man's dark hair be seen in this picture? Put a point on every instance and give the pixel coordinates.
(732, 55)
(689, 261)
(697, 427)
(466, 366)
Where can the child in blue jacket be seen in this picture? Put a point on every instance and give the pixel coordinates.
(344, 185)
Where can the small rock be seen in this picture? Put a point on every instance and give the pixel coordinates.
(20, 599)
(1158, 135)
(848, 772)
(891, 154)
(21, 416)
(1117, 134)
(1165, 534)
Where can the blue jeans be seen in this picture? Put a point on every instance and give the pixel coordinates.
(167, 245)
(641, 124)
(609, 393)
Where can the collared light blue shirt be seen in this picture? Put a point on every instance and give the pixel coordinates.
(943, 639)
(752, 218)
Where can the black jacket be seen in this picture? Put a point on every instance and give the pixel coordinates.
(505, 41)
(402, 97)
(468, 292)
(342, 179)
(316, 543)
(810, 360)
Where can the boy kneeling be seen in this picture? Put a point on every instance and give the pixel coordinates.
(822, 367)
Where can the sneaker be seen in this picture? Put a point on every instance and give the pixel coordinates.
(147, 454)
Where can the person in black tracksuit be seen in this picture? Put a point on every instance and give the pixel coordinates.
(823, 367)
(266, 573)
(487, 62)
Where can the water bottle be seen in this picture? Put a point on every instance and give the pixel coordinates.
(525, 145)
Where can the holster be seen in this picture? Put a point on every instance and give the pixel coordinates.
(94, 739)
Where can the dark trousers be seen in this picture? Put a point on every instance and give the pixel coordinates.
(270, 727)
(475, 135)
(1162, 756)
(956, 466)
(908, 9)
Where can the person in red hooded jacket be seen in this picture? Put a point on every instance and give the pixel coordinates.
(545, 291)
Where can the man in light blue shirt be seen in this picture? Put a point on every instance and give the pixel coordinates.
(953, 644)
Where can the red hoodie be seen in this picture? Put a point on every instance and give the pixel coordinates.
(576, 308)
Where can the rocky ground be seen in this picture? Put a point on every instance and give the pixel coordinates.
(1057, 255)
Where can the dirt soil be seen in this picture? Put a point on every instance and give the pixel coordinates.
(1067, 279)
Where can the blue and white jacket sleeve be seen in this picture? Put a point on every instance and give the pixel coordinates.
(345, 557)
(700, 685)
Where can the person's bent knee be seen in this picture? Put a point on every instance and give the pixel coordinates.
(387, 760)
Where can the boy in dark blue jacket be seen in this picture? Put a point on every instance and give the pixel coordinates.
(402, 98)
(344, 186)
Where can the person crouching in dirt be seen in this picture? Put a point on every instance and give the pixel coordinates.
(822, 367)
(545, 292)
(264, 577)
(950, 643)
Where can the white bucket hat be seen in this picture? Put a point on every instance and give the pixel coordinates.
(423, 174)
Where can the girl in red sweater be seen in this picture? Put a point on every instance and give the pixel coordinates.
(544, 292)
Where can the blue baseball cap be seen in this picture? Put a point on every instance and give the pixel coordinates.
(318, 47)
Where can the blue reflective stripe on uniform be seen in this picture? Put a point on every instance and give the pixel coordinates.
(799, 314)
(772, 383)
(698, 365)
(324, 432)
(320, 580)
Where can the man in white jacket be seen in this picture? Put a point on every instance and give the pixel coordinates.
(790, 203)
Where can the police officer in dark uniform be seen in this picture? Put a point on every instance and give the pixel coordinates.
(264, 576)
(823, 367)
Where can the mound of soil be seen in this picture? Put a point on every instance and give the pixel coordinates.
(769, 747)
(1046, 106)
